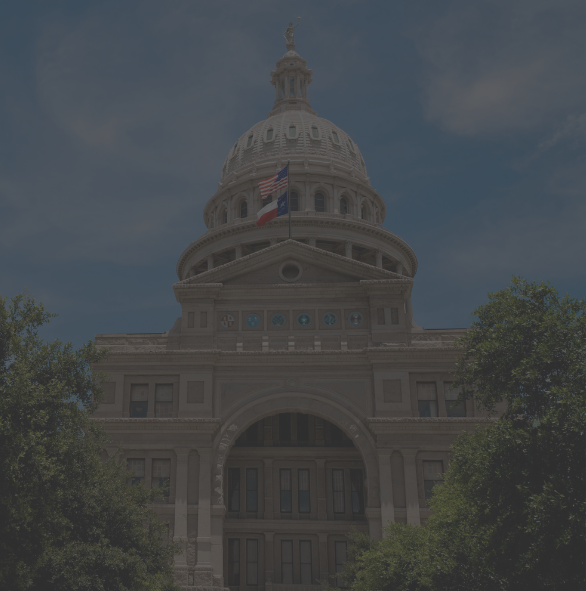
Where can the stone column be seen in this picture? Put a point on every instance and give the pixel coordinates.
(379, 259)
(411, 492)
(203, 569)
(269, 560)
(268, 473)
(324, 572)
(387, 507)
(322, 508)
(210, 262)
(348, 250)
(180, 529)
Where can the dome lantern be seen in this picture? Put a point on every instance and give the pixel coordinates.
(291, 80)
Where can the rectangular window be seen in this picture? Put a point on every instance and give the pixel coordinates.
(292, 130)
(136, 469)
(427, 399)
(303, 491)
(139, 400)
(285, 428)
(340, 557)
(338, 489)
(190, 319)
(285, 479)
(305, 574)
(432, 471)
(357, 484)
(315, 132)
(249, 142)
(287, 562)
(380, 316)
(394, 315)
(164, 401)
(233, 489)
(335, 136)
(234, 562)
(203, 320)
(454, 407)
(292, 86)
(251, 490)
(302, 428)
(162, 477)
(269, 135)
(252, 562)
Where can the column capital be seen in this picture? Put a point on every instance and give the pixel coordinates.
(182, 451)
(205, 453)
(409, 454)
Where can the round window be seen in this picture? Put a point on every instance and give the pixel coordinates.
(278, 320)
(330, 319)
(290, 271)
(355, 319)
(304, 319)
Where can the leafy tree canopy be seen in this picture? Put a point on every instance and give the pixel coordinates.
(67, 519)
(510, 514)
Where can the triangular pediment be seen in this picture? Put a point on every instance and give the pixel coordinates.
(276, 265)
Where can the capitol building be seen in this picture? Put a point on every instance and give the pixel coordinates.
(295, 397)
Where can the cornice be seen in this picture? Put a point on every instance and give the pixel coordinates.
(403, 355)
(208, 426)
(236, 231)
(421, 426)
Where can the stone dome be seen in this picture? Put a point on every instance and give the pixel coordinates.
(300, 134)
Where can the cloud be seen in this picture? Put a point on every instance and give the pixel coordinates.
(501, 66)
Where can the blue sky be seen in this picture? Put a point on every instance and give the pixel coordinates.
(116, 117)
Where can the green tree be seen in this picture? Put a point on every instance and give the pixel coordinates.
(68, 520)
(510, 514)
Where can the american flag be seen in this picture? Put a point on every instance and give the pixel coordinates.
(274, 184)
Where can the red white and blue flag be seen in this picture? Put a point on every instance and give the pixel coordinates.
(275, 184)
(273, 210)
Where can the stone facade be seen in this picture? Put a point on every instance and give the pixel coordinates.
(295, 397)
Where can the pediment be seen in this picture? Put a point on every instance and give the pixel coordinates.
(275, 264)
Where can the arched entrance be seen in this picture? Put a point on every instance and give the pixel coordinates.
(296, 475)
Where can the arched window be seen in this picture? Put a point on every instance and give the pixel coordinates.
(249, 142)
(243, 209)
(343, 205)
(320, 202)
(292, 130)
(269, 134)
(225, 216)
(294, 201)
(292, 86)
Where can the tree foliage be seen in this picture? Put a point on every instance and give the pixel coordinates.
(510, 513)
(67, 519)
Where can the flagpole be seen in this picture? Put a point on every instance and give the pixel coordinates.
(289, 194)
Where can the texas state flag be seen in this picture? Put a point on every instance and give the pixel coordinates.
(273, 210)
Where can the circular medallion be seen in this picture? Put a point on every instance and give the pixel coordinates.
(330, 319)
(253, 320)
(278, 320)
(304, 319)
(227, 320)
(355, 319)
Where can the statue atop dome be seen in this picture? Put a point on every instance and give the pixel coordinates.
(290, 36)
